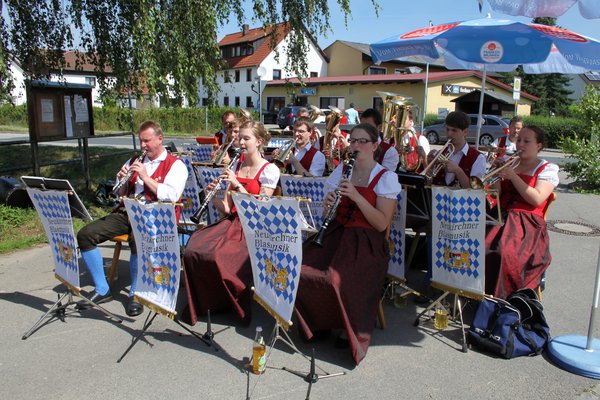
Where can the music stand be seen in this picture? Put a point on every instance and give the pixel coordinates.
(62, 253)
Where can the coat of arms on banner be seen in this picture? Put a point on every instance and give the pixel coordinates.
(200, 152)
(55, 213)
(458, 232)
(272, 227)
(155, 231)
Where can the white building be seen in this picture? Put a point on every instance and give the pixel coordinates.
(578, 84)
(248, 51)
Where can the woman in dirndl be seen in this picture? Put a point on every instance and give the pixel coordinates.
(518, 252)
(217, 265)
(341, 282)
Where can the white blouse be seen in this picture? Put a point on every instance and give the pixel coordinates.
(269, 176)
(549, 173)
(387, 186)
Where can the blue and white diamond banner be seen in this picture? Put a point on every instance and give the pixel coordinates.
(206, 175)
(458, 235)
(272, 228)
(191, 192)
(312, 188)
(396, 239)
(199, 152)
(154, 227)
(53, 209)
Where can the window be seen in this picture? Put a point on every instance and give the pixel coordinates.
(378, 103)
(276, 74)
(237, 75)
(237, 101)
(226, 101)
(248, 75)
(399, 71)
(237, 51)
(249, 101)
(331, 101)
(377, 71)
(90, 80)
(204, 101)
(275, 103)
(226, 77)
(314, 74)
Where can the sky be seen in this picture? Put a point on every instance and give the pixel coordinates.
(401, 16)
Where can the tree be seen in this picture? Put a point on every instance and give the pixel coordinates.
(165, 45)
(550, 88)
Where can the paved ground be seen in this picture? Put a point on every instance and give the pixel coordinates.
(77, 359)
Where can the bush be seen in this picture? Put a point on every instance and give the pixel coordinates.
(13, 115)
(558, 128)
(586, 170)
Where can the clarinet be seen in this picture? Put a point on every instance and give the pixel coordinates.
(127, 176)
(209, 196)
(318, 239)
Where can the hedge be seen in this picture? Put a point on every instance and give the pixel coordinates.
(173, 120)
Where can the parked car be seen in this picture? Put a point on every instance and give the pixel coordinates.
(492, 128)
(287, 116)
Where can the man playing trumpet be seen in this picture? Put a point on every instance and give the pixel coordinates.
(304, 159)
(159, 176)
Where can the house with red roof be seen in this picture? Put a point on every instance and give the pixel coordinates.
(252, 52)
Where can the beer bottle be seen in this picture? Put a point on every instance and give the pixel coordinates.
(258, 352)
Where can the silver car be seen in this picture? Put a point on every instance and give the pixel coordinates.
(492, 128)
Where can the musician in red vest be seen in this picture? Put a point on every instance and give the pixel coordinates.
(159, 176)
(386, 154)
(509, 143)
(466, 161)
(304, 159)
(226, 118)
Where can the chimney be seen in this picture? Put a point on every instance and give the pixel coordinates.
(244, 29)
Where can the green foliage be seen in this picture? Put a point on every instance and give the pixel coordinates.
(588, 111)
(164, 46)
(13, 115)
(586, 169)
(557, 128)
(431, 119)
(19, 228)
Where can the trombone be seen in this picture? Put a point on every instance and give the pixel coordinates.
(492, 176)
(436, 165)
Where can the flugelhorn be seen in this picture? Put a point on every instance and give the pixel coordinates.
(436, 165)
(318, 239)
(209, 196)
(128, 175)
(284, 151)
(492, 176)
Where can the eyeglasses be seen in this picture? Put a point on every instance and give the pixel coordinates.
(299, 131)
(360, 141)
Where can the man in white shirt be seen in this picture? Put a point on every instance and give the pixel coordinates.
(159, 176)
(509, 142)
(305, 159)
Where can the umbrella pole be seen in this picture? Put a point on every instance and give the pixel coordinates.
(479, 116)
(425, 99)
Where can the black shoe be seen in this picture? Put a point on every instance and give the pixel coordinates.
(134, 308)
(96, 298)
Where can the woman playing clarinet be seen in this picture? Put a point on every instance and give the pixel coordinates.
(340, 283)
(217, 265)
(518, 252)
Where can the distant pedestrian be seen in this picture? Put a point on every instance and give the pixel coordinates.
(352, 115)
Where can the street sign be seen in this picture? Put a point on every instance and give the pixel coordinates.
(517, 88)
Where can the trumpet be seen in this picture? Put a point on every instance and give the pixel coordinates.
(284, 152)
(436, 165)
(318, 239)
(209, 196)
(128, 175)
(492, 176)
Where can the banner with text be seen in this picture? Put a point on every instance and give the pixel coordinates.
(53, 209)
(458, 235)
(273, 233)
(396, 239)
(154, 227)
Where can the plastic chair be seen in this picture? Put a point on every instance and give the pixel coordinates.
(113, 273)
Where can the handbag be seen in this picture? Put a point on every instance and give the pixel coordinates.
(510, 328)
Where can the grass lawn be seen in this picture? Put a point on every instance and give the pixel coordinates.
(21, 228)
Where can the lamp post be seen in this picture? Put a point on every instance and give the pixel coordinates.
(260, 72)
